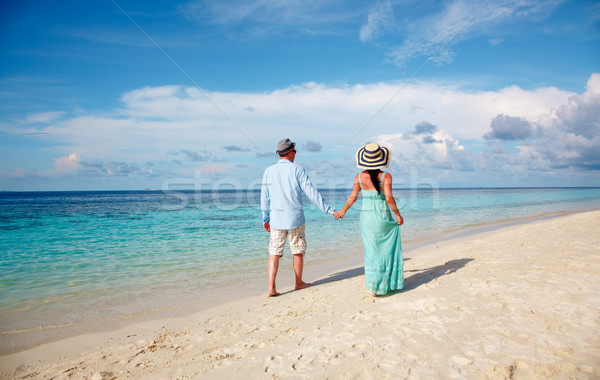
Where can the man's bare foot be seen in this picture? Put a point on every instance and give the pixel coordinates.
(304, 285)
(275, 294)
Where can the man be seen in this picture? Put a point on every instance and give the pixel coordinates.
(283, 211)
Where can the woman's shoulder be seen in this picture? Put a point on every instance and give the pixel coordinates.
(385, 177)
(357, 178)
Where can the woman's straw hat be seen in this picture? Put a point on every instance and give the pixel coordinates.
(372, 156)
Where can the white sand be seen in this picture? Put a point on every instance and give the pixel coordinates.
(520, 302)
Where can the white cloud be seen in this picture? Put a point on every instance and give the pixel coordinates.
(509, 128)
(380, 16)
(42, 117)
(95, 168)
(566, 138)
(317, 110)
(434, 35)
(161, 119)
(313, 146)
(195, 156)
(570, 137)
(434, 148)
(235, 148)
(67, 164)
(495, 41)
(582, 114)
(429, 124)
(263, 17)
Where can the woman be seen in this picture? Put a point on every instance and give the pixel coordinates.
(380, 233)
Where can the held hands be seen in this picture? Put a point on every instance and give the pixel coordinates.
(339, 214)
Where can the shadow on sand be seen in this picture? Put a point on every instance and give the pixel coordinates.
(428, 274)
(343, 275)
(421, 276)
(340, 276)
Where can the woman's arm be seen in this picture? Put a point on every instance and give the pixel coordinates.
(389, 197)
(352, 198)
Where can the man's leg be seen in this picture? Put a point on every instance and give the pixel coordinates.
(276, 244)
(273, 267)
(298, 247)
(298, 268)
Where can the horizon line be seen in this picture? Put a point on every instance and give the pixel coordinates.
(320, 189)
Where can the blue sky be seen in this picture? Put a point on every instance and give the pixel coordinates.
(196, 94)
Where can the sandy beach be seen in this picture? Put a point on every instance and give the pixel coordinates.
(518, 302)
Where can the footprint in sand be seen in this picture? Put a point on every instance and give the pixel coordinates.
(272, 363)
(303, 363)
(254, 346)
(460, 361)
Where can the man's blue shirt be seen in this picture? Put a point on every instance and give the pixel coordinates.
(281, 195)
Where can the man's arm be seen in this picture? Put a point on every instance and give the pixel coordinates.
(264, 203)
(312, 193)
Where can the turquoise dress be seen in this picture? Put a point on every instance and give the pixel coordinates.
(380, 233)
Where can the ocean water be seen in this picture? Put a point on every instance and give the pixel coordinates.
(68, 258)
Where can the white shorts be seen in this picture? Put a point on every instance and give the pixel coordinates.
(297, 241)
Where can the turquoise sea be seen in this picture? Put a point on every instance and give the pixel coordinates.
(75, 258)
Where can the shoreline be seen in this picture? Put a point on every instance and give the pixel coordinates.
(488, 227)
(316, 270)
(505, 322)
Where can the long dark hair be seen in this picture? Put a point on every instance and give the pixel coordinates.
(374, 173)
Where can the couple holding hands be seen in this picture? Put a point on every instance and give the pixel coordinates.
(281, 204)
